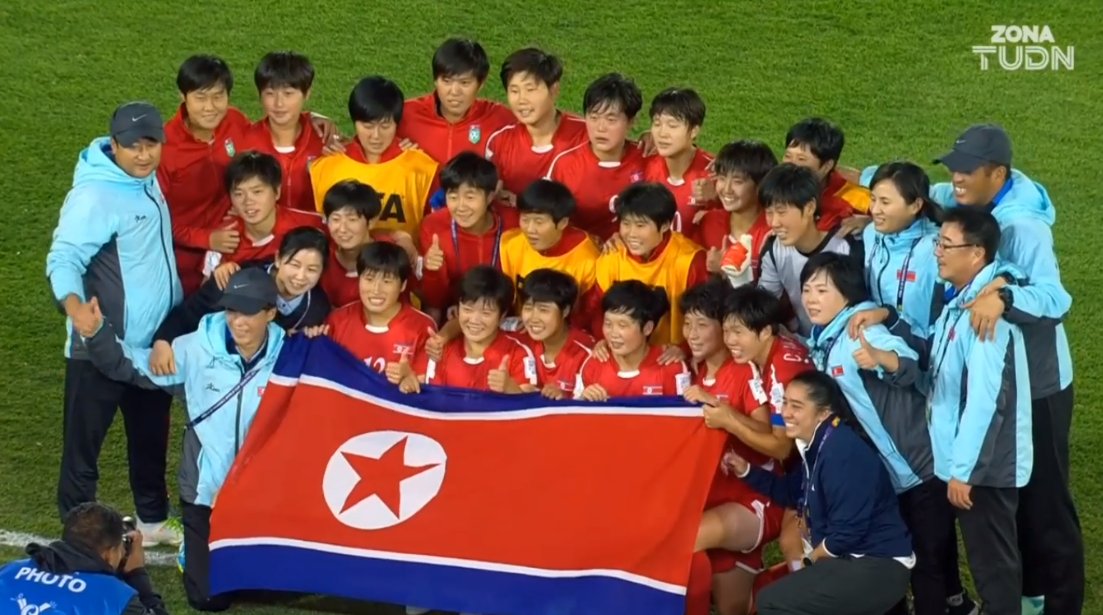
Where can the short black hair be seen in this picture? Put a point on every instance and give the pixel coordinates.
(824, 391)
(200, 72)
(790, 184)
(358, 196)
(749, 158)
(386, 258)
(546, 196)
(94, 526)
(649, 200)
(543, 66)
(978, 228)
(613, 90)
(280, 69)
(643, 303)
(549, 286)
(304, 238)
(706, 299)
(250, 164)
(823, 138)
(912, 183)
(486, 283)
(756, 308)
(844, 271)
(459, 56)
(471, 169)
(682, 103)
(376, 98)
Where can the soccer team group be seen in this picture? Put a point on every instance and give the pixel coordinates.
(458, 241)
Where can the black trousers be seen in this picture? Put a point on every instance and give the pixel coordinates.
(992, 548)
(197, 559)
(91, 400)
(1050, 540)
(930, 519)
(861, 586)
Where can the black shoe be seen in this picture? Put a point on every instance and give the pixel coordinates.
(967, 607)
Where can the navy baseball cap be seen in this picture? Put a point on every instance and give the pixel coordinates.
(249, 291)
(133, 121)
(979, 144)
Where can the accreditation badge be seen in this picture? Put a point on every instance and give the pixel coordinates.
(229, 145)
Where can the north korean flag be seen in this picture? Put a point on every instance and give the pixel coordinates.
(461, 500)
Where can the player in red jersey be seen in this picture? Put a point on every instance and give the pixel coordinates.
(523, 151)
(741, 221)
(253, 182)
(484, 358)
(465, 234)
(283, 82)
(547, 298)
(597, 170)
(676, 118)
(631, 311)
(382, 330)
(818, 144)
(452, 119)
(737, 522)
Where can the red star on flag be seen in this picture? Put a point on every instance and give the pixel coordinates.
(381, 477)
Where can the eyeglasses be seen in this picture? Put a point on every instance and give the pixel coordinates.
(940, 245)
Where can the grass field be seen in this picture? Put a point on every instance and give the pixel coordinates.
(899, 77)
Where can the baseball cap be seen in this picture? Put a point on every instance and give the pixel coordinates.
(249, 291)
(137, 120)
(979, 144)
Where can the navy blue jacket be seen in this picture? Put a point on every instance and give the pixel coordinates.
(852, 508)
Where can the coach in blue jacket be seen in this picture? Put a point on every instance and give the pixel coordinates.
(859, 550)
(113, 243)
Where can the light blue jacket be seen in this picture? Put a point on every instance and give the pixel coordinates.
(206, 371)
(980, 404)
(889, 407)
(1040, 302)
(114, 241)
(886, 255)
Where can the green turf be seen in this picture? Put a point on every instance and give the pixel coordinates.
(899, 77)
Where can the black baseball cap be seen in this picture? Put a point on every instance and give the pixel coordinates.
(249, 291)
(133, 121)
(979, 144)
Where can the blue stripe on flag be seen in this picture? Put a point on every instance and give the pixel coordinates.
(451, 588)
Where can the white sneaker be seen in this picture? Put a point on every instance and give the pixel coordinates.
(168, 532)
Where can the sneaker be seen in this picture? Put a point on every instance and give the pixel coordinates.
(168, 532)
(1034, 605)
(180, 558)
(966, 607)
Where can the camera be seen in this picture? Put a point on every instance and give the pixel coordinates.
(129, 525)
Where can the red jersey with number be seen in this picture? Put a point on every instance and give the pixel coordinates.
(596, 184)
(649, 379)
(787, 359)
(456, 369)
(714, 231)
(462, 251)
(192, 177)
(295, 188)
(564, 369)
(265, 248)
(404, 335)
(520, 162)
(423, 124)
(655, 170)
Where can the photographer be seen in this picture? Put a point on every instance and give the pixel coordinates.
(98, 566)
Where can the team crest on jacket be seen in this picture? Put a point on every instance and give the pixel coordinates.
(381, 478)
(474, 133)
(229, 145)
(637, 176)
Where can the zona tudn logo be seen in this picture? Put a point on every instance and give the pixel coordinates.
(1025, 48)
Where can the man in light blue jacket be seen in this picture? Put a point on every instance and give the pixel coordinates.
(1049, 527)
(113, 248)
(222, 369)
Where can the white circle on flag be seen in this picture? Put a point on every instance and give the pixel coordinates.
(375, 511)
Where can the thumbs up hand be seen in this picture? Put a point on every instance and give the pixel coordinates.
(712, 260)
(704, 190)
(499, 379)
(868, 357)
(397, 372)
(434, 256)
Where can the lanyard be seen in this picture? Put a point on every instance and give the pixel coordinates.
(904, 277)
(497, 243)
(826, 353)
(944, 347)
(225, 398)
(828, 430)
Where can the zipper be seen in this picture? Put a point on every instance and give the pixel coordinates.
(237, 416)
(881, 247)
(164, 248)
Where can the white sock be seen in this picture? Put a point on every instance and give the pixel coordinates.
(795, 565)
